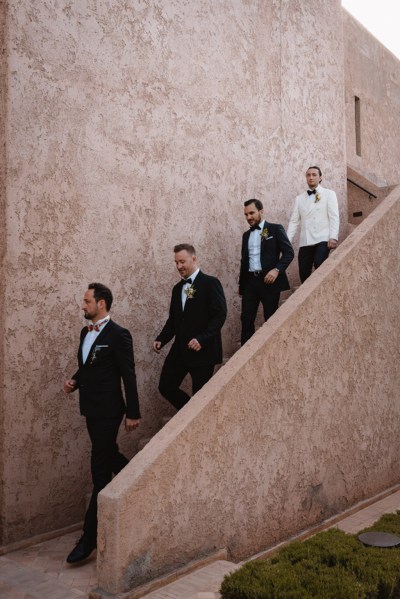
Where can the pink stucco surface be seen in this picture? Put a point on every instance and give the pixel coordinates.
(300, 424)
(130, 127)
(3, 113)
(372, 74)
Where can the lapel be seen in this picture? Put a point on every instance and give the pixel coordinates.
(310, 203)
(264, 245)
(266, 225)
(189, 301)
(97, 341)
(246, 236)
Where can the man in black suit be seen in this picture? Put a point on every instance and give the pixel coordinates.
(266, 254)
(105, 356)
(196, 316)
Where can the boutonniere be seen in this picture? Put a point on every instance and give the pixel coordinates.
(264, 233)
(93, 357)
(190, 291)
(317, 197)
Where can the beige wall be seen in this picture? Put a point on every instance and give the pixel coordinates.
(363, 196)
(3, 109)
(301, 423)
(132, 126)
(373, 75)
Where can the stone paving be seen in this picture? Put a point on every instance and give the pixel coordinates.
(41, 572)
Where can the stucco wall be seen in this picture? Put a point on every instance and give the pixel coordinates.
(3, 114)
(300, 424)
(373, 75)
(133, 126)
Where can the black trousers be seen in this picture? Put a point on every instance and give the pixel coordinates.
(174, 371)
(105, 461)
(256, 291)
(311, 255)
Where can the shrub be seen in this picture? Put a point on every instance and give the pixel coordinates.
(330, 565)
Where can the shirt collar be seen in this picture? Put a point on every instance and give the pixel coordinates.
(194, 275)
(260, 224)
(102, 322)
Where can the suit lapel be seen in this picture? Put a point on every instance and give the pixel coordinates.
(246, 246)
(97, 341)
(310, 202)
(189, 301)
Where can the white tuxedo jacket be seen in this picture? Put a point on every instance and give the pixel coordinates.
(318, 221)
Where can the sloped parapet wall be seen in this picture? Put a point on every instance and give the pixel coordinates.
(301, 423)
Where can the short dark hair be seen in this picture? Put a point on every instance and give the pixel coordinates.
(185, 247)
(258, 203)
(101, 292)
(317, 168)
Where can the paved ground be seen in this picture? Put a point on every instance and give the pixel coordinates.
(40, 571)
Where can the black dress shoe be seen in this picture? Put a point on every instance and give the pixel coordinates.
(82, 550)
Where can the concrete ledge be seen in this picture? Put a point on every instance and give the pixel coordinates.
(157, 583)
(39, 538)
(310, 532)
(301, 424)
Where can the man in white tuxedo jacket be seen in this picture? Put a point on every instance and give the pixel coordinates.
(316, 212)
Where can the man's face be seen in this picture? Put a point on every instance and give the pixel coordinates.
(89, 305)
(313, 178)
(252, 215)
(185, 263)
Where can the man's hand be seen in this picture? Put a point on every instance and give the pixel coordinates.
(69, 386)
(271, 276)
(157, 346)
(131, 424)
(194, 345)
(332, 244)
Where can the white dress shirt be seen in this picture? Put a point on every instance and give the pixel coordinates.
(318, 221)
(187, 285)
(254, 247)
(90, 338)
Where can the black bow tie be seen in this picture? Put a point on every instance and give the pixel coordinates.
(255, 227)
(311, 191)
(184, 281)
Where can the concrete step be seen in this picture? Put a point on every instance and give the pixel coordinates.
(203, 583)
(22, 582)
(205, 596)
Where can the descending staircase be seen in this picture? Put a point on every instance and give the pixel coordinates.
(165, 419)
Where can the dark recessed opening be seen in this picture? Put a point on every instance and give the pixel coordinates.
(357, 213)
(357, 116)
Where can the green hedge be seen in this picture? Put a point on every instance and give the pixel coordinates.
(330, 565)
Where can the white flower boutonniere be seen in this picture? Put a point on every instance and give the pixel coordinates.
(317, 197)
(264, 234)
(190, 291)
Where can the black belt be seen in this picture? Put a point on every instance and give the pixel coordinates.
(256, 273)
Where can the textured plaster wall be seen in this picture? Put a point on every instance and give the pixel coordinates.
(373, 75)
(300, 424)
(312, 101)
(132, 126)
(3, 115)
(363, 196)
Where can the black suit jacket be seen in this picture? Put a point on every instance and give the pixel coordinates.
(276, 252)
(202, 319)
(110, 359)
